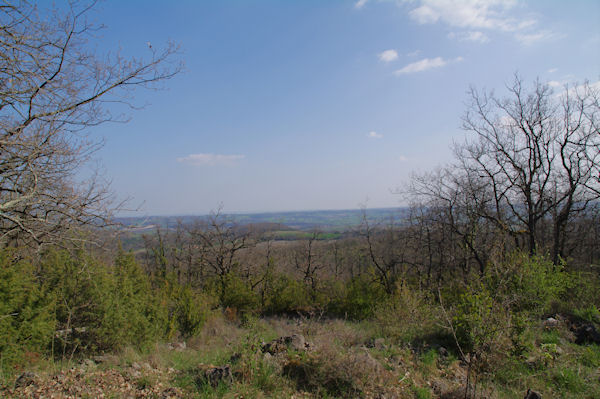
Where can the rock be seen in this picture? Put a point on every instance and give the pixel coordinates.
(103, 358)
(532, 395)
(169, 393)
(368, 361)
(136, 366)
(235, 357)
(443, 352)
(135, 373)
(376, 343)
(440, 387)
(177, 346)
(586, 333)
(26, 379)
(282, 344)
(550, 322)
(216, 375)
(146, 366)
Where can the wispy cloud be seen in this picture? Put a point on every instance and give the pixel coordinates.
(402, 158)
(472, 14)
(572, 87)
(552, 70)
(470, 36)
(477, 15)
(414, 53)
(530, 38)
(388, 55)
(360, 4)
(210, 159)
(374, 135)
(426, 64)
(556, 83)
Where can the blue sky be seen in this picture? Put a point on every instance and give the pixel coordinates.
(294, 105)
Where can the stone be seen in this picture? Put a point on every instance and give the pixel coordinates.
(586, 333)
(26, 379)
(550, 322)
(235, 357)
(440, 386)
(135, 373)
(443, 352)
(367, 360)
(532, 395)
(216, 375)
(169, 393)
(294, 342)
(146, 366)
(177, 346)
(376, 343)
(104, 359)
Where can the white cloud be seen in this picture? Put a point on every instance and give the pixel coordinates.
(388, 55)
(470, 14)
(402, 158)
(360, 4)
(573, 88)
(469, 36)
(529, 38)
(552, 70)
(477, 15)
(426, 64)
(374, 135)
(210, 159)
(414, 53)
(555, 83)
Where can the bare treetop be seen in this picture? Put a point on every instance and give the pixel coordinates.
(53, 87)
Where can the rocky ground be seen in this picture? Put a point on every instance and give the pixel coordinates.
(282, 358)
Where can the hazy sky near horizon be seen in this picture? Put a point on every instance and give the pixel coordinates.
(298, 105)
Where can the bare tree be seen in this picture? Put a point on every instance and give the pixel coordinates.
(537, 154)
(385, 249)
(52, 88)
(307, 260)
(450, 216)
(219, 241)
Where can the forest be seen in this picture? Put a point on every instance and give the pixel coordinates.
(486, 285)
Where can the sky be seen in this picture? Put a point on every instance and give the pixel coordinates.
(315, 104)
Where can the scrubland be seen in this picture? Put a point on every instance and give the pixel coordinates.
(90, 328)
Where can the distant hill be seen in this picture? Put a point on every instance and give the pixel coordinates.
(326, 220)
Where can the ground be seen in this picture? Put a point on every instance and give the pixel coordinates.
(319, 359)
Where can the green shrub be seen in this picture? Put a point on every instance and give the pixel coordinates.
(286, 295)
(239, 295)
(26, 316)
(590, 356)
(531, 284)
(362, 298)
(429, 358)
(472, 321)
(99, 307)
(590, 314)
(130, 314)
(422, 393)
(567, 379)
(188, 310)
(407, 315)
